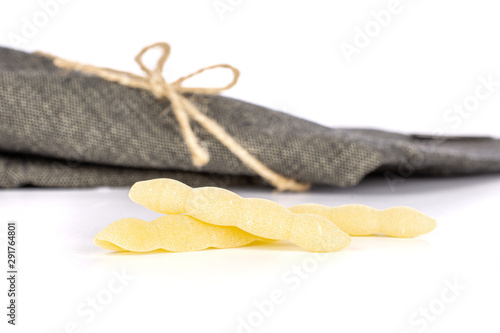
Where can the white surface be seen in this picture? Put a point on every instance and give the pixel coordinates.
(375, 285)
(427, 59)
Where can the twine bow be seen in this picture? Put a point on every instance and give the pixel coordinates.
(184, 110)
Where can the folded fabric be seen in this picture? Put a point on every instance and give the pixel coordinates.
(62, 128)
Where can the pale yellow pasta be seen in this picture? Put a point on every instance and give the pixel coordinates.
(178, 233)
(360, 220)
(260, 217)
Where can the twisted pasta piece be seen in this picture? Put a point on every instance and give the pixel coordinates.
(360, 220)
(178, 233)
(260, 217)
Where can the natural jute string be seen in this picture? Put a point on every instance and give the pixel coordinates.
(183, 109)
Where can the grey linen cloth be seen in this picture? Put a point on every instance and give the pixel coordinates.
(63, 128)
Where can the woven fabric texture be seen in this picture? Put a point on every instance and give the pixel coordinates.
(66, 129)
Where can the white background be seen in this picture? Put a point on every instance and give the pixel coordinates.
(428, 58)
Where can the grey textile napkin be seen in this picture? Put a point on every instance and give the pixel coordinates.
(63, 128)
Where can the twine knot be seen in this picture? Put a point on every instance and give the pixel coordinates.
(184, 110)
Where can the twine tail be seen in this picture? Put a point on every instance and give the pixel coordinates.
(199, 155)
(281, 182)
